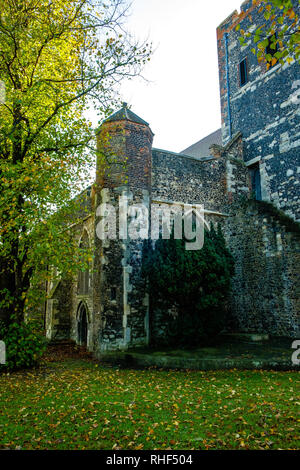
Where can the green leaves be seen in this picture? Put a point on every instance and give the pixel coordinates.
(57, 58)
(279, 32)
(194, 283)
(25, 345)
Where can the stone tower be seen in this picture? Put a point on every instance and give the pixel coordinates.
(262, 104)
(123, 180)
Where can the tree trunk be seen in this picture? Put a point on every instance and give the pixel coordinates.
(13, 282)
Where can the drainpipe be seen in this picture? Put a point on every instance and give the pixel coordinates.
(227, 84)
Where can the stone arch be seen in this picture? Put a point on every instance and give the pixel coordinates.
(84, 278)
(83, 322)
(85, 235)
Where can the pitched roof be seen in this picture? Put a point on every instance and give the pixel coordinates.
(124, 114)
(201, 148)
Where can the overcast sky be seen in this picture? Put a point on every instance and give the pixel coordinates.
(181, 102)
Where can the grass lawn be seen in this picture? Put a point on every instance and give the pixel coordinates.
(77, 404)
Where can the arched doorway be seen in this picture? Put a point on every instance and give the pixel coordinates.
(82, 324)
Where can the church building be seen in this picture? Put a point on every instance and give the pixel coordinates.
(245, 176)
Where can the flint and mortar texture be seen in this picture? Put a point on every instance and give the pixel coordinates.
(264, 241)
(266, 110)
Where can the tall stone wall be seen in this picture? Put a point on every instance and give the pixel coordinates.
(266, 286)
(265, 110)
(216, 181)
(176, 177)
(264, 243)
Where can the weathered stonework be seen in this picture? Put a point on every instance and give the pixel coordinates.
(123, 318)
(115, 311)
(265, 110)
(266, 286)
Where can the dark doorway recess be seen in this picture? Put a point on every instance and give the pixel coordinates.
(82, 325)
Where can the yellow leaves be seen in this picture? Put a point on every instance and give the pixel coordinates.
(261, 46)
(291, 14)
(139, 447)
(231, 422)
(241, 418)
(273, 61)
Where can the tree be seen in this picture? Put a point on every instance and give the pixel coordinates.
(278, 39)
(56, 59)
(196, 283)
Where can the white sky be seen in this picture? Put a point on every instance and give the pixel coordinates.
(181, 101)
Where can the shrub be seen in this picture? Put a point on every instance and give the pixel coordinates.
(196, 283)
(24, 345)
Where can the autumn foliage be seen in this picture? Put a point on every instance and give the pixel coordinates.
(277, 40)
(57, 59)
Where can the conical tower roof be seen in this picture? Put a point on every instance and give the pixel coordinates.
(124, 114)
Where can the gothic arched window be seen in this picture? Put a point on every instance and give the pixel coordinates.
(83, 284)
